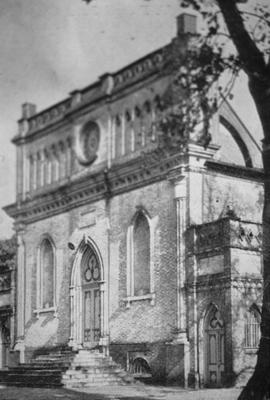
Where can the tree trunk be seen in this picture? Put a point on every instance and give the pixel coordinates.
(259, 383)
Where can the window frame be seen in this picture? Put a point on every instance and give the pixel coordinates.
(255, 312)
(131, 265)
(39, 287)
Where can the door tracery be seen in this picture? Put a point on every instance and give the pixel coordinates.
(88, 317)
(215, 346)
(91, 273)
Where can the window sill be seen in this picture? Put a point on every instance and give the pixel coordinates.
(39, 311)
(148, 297)
(251, 350)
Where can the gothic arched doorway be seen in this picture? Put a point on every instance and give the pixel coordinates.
(214, 348)
(91, 272)
(87, 298)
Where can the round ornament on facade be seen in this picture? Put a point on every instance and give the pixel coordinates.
(88, 143)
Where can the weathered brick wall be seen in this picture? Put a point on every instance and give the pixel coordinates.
(142, 321)
(243, 359)
(166, 361)
(220, 191)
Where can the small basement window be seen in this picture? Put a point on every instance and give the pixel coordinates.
(139, 368)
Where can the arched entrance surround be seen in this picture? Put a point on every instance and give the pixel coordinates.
(87, 297)
(210, 347)
(214, 347)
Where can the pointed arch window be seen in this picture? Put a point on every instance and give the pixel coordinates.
(140, 247)
(252, 328)
(118, 139)
(46, 275)
(129, 132)
(141, 255)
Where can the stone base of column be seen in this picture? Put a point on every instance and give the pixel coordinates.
(104, 343)
(20, 347)
(194, 380)
(181, 338)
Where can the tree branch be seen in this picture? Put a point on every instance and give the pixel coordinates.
(251, 57)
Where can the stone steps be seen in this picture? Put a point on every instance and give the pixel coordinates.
(94, 369)
(70, 369)
(37, 378)
(45, 370)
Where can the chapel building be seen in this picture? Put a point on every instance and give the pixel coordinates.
(151, 257)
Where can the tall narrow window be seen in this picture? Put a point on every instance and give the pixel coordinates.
(141, 255)
(118, 136)
(55, 164)
(252, 328)
(46, 274)
(38, 170)
(129, 132)
(147, 123)
(138, 134)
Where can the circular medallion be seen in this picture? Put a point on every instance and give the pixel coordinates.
(88, 143)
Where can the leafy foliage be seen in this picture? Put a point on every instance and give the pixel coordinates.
(8, 253)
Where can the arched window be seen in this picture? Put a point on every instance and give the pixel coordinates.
(118, 136)
(252, 328)
(140, 368)
(55, 164)
(147, 123)
(129, 132)
(62, 160)
(39, 171)
(138, 131)
(141, 255)
(46, 273)
(47, 167)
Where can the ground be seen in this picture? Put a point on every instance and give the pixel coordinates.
(115, 393)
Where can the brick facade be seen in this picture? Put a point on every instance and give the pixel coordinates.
(86, 167)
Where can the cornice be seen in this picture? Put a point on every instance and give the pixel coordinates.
(219, 281)
(235, 170)
(104, 184)
(107, 88)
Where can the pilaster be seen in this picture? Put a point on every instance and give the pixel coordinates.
(180, 182)
(20, 300)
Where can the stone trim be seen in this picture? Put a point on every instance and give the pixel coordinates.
(150, 297)
(121, 177)
(235, 170)
(130, 256)
(107, 86)
(39, 311)
(219, 281)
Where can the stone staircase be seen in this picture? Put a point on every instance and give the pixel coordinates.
(66, 368)
(91, 368)
(44, 370)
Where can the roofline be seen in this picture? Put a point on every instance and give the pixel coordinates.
(96, 83)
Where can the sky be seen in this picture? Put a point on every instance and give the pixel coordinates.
(49, 48)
